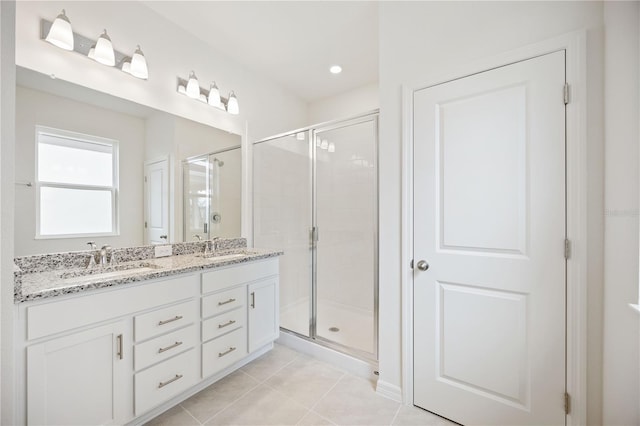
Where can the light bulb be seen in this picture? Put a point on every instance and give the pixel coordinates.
(232, 104)
(193, 87)
(104, 50)
(139, 65)
(60, 34)
(214, 95)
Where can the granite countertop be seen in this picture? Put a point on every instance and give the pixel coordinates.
(39, 282)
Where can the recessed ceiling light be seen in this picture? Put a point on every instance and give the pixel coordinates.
(335, 69)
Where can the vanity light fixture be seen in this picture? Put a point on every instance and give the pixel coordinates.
(103, 50)
(332, 147)
(214, 95)
(232, 104)
(324, 144)
(192, 89)
(59, 34)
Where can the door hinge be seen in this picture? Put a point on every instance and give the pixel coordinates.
(566, 93)
(567, 248)
(567, 403)
(411, 264)
(145, 223)
(145, 179)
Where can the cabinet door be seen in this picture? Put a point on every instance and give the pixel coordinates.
(263, 313)
(80, 379)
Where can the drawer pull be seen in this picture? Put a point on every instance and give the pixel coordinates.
(253, 299)
(221, 354)
(176, 318)
(226, 324)
(226, 301)
(175, 345)
(163, 384)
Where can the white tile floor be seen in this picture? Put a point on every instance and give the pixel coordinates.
(284, 387)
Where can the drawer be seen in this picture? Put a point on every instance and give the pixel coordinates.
(224, 323)
(223, 351)
(165, 380)
(234, 275)
(164, 320)
(81, 310)
(223, 301)
(165, 346)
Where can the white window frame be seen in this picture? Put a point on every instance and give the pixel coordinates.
(113, 188)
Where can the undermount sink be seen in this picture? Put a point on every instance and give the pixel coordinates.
(220, 257)
(109, 271)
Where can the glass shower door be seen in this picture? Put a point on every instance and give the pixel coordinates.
(282, 219)
(346, 247)
(197, 194)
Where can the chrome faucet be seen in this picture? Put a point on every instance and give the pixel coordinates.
(198, 237)
(103, 254)
(211, 245)
(92, 259)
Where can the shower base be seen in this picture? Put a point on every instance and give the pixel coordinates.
(355, 326)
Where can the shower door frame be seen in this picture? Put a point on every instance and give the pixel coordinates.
(312, 131)
(185, 162)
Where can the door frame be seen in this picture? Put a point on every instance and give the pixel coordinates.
(575, 45)
(145, 196)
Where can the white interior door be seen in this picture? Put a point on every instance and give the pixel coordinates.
(156, 212)
(489, 219)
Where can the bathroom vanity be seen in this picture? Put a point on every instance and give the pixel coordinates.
(122, 342)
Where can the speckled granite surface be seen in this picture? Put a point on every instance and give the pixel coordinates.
(50, 275)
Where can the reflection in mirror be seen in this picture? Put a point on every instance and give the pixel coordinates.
(211, 195)
(147, 139)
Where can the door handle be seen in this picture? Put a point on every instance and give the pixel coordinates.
(423, 265)
(164, 237)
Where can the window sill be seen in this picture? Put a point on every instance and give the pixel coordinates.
(635, 307)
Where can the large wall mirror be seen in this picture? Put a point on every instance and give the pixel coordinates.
(93, 167)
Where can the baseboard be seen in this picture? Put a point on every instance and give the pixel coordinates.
(388, 390)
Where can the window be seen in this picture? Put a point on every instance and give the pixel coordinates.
(76, 184)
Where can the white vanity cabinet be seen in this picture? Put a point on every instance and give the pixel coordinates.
(239, 306)
(118, 355)
(264, 324)
(78, 379)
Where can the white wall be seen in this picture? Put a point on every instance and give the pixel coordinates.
(621, 372)
(33, 108)
(424, 38)
(347, 104)
(7, 135)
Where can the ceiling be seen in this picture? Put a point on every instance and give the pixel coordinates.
(290, 42)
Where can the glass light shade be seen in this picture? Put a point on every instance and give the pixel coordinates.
(202, 97)
(139, 65)
(232, 104)
(104, 50)
(60, 34)
(126, 67)
(214, 95)
(332, 147)
(324, 144)
(92, 53)
(193, 87)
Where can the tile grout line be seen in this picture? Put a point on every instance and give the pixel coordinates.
(189, 413)
(250, 390)
(327, 392)
(395, 416)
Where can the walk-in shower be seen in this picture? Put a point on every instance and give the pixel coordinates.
(315, 197)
